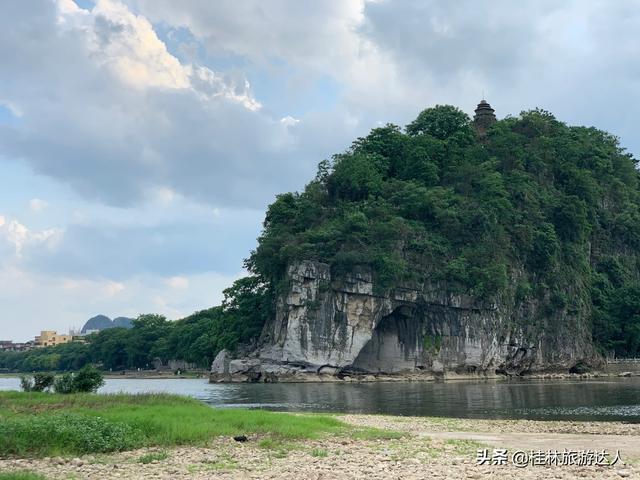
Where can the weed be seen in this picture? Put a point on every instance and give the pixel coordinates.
(22, 475)
(319, 452)
(153, 456)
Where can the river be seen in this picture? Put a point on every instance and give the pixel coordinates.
(594, 399)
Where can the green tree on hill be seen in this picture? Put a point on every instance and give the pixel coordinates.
(533, 198)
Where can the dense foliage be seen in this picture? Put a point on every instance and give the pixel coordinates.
(195, 339)
(88, 380)
(534, 211)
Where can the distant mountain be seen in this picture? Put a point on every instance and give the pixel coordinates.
(124, 322)
(99, 322)
(102, 322)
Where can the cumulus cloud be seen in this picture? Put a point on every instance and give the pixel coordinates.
(112, 113)
(390, 59)
(14, 233)
(571, 58)
(317, 35)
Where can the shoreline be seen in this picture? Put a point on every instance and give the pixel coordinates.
(438, 448)
(413, 377)
(370, 378)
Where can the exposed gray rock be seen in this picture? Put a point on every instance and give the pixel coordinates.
(326, 328)
(221, 362)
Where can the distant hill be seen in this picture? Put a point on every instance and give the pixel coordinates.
(124, 322)
(102, 322)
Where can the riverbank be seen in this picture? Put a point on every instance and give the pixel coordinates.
(157, 374)
(624, 371)
(314, 377)
(415, 448)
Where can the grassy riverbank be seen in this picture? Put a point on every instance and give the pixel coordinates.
(438, 448)
(58, 437)
(39, 425)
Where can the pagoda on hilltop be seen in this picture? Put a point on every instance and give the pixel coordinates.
(484, 117)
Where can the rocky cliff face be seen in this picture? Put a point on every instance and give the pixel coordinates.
(329, 328)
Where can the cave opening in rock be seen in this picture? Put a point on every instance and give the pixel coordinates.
(394, 345)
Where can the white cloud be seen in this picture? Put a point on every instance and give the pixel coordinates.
(178, 282)
(37, 205)
(16, 234)
(289, 121)
(19, 236)
(123, 117)
(321, 36)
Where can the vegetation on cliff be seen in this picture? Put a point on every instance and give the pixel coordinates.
(535, 211)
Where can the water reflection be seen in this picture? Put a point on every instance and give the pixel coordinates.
(600, 399)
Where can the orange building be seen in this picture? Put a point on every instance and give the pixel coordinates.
(49, 338)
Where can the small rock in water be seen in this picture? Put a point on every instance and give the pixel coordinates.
(240, 438)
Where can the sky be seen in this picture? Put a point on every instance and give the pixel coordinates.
(142, 140)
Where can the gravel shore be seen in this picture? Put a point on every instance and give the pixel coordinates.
(430, 448)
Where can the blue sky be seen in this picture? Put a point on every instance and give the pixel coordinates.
(141, 140)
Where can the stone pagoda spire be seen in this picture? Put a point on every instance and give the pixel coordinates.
(484, 117)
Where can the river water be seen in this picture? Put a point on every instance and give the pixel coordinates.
(596, 399)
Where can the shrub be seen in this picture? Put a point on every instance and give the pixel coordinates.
(64, 384)
(40, 382)
(89, 379)
(26, 383)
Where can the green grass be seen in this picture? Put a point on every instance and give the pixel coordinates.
(464, 447)
(42, 424)
(319, 452)
(366, 433)
(153, 457)
(23, 475)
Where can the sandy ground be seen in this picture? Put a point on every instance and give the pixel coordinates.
(430, 448)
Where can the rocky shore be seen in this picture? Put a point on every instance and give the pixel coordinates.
(439, 448)
(248, 371)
